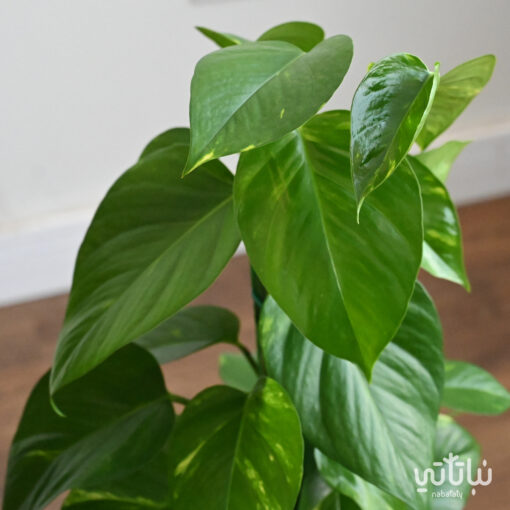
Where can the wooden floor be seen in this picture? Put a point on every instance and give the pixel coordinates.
(476, 328)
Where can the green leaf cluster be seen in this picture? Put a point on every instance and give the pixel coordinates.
(340, 404)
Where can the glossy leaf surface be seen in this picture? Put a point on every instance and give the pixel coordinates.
(190, 330)
(452, 438)
(222, 39)
(299, 33)
(241, 451)
(379, 431)
(440, 160)
(155, 243)
(236, 371)
(388, 110)
(366, 495)
(117, 418)
(296, 207)
(471, 389)
(248, 95)
(442, 239)
(456, 90)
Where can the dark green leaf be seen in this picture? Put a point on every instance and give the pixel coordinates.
(144, 489)
(456, 90)
(471, 389)
(222, 39)
(252, 94)
(388, 110)
(452, 438)
(440, 160)
(176, 137)
(155, 243)
(299, 33)
(296, 207)
(233, 450)
(118, 417)
(236, 371)
(442, 238)
(190, 330)
(379, 431)
(313, 489)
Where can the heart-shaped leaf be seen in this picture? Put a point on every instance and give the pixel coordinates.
(388, 110)
(457, 89)
(296, 206)
(240, 451)
(442, 238)
(471, 389)
(440, 160)
(190, 330)
(155, 243)
(380, 431)
(251, 94)
(118, 417)
(299, 33)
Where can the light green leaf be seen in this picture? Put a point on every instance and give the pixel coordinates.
(442, 239)
(452, 438)
(388, 110)
(366, 495)
(299, 33)
(155, 243)
(190, 330)
(457, 89)
(440, 160)
(252, 94)
(296, 207)
(379, 431)
(236, 371)
(471, 389)
(222, 39)
(235, 450)
(117, 418)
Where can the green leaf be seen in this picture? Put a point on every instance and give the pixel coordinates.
(457, 89)
(379, 431)
(314, 490)
(366, 495)
(236, 371)
(175, 137)
(452, 438)
(442, 239)
(440, 160)
(222, 39)
(252, 94)
(388, 110)
(155, 243)
(299, 33)
(235, 450)
(300, 188)
(144, 489)
(190, 330)
(118, 417)
(471, 389)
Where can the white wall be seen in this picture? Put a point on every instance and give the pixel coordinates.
(85, 83)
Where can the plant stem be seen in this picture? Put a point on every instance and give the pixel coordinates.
(248, 355)
(179, 399)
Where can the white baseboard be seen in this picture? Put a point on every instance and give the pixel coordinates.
(37, 259)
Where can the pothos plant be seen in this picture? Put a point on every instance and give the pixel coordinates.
(339, 407)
